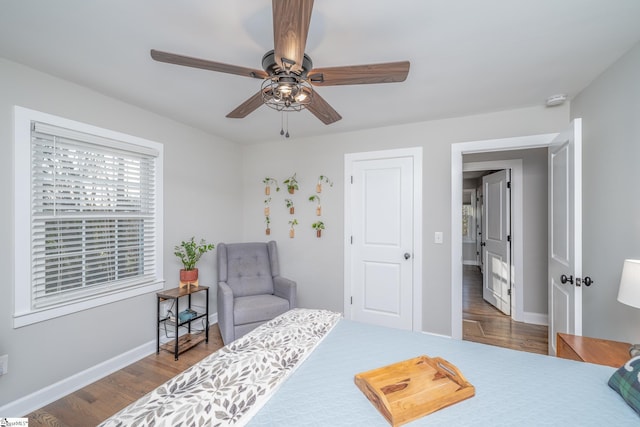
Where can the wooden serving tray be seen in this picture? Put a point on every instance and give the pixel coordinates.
(411, 389)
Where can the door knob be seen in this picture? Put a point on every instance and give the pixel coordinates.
(407, 255)
(587, 281)
(564, 279)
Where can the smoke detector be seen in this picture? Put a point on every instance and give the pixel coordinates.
(554, 100)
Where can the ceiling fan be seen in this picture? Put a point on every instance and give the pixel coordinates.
(288, 74)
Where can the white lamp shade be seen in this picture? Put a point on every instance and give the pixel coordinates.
(629, 292)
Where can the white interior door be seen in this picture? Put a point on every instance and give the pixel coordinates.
(565, 234)
(479, 216)
(496, 288)
(382, 254)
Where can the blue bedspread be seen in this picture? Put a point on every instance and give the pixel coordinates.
(512, 388)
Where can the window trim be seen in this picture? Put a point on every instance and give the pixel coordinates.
(24, 314)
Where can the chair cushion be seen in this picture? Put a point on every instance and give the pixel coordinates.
(258, 308)
(249, 269)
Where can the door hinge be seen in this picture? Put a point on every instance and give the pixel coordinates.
(509, 291)
(351, 300)
(352, 179)
(509, 238)
(509, 184)
(352, 240)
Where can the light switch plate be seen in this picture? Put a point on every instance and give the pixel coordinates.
(438, 237)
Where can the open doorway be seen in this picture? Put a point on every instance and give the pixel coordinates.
(528, 163)
(487, 234)
(489, 299)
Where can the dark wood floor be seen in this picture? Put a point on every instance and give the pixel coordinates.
(485, 324)
(96, 402)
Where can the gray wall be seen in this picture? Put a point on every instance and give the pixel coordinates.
(534, 171)
(610, 109)
(199, 199)
(317, 264)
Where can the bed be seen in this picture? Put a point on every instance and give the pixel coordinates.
(298, 370)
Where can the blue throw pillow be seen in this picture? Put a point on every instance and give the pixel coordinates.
(626, 381)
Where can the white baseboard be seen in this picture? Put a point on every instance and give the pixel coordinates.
(53, 392)
(536, 318)
(470, 262)
(27, 404)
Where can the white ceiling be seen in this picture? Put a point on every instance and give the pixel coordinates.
(467, 56)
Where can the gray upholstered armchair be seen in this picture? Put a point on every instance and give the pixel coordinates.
(250, 289)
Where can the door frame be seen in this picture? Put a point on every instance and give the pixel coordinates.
(517, 225)
(415, 153)
(457, 151)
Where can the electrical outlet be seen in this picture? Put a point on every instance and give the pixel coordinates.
(4, 364)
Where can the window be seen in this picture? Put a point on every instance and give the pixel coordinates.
(468, 216)
(88, 216)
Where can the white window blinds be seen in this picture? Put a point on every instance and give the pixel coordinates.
(93, 226)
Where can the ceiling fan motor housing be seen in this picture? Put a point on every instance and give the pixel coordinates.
(271, 66)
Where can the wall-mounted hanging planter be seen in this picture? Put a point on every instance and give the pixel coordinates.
(292, 231)
(289, 203)
(315, 198)
(321, 179)
(291, 183)
(318, 226)
(268, 182)
(267, 231)
(267, 211)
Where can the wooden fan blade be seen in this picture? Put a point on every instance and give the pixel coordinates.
(322, 110)
(388, 72)
(187, 61)
(247, 107)
(291, 20)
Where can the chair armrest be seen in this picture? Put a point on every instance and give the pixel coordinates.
(226, 322)
(285, 288)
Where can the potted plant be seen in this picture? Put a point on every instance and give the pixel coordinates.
(318, 208)
(189, 253)
(292, 208)
(321, 179)
(291, 183)
(266, 206)
(268, 181)
(318, 226)
(268, 221)
(292, 231)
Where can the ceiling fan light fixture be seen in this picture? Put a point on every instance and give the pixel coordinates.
(286, 93)
(285, 89)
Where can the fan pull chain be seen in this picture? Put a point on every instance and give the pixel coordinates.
(284, 124)
(287, 119)
(281, 123)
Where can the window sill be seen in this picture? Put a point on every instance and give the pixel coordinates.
(31, 317)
